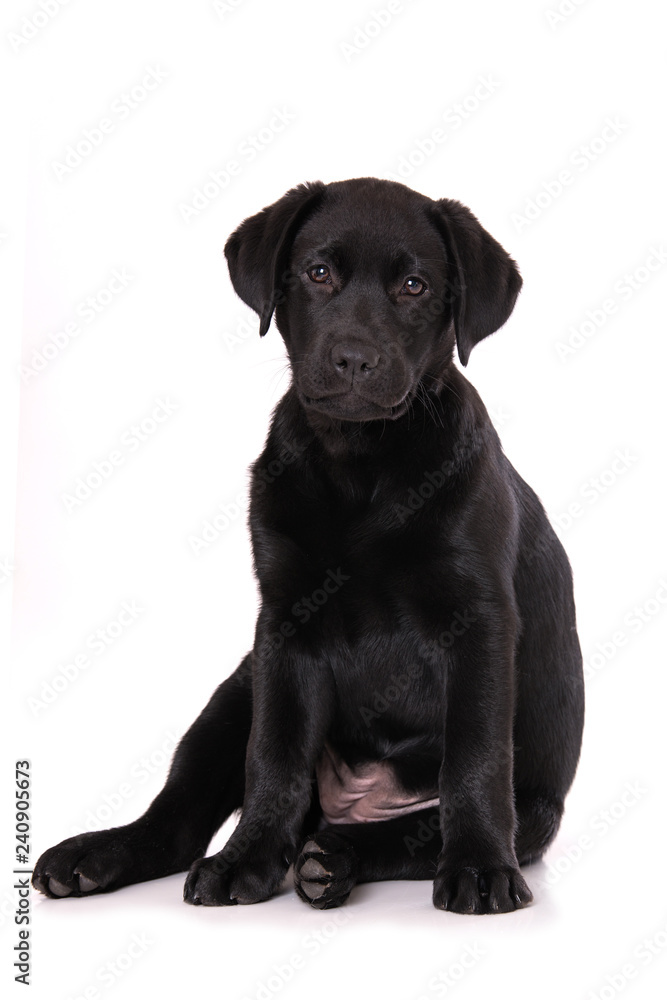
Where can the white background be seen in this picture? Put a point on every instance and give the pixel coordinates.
(99, 748)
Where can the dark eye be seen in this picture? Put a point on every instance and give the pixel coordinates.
(413, 286)
(320, 274)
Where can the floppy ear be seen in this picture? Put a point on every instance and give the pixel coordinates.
(486, 281)
(258, 251)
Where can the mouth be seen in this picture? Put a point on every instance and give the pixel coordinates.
(353, 407)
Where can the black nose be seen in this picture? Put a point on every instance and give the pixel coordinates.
(352, 357)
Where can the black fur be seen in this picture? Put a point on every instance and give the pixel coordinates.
(417, 607)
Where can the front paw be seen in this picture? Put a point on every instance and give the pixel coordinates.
(481, 890)
(223, 881)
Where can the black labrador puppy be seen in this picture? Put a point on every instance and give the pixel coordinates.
(412, 707)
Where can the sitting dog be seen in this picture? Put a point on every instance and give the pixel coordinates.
(412, 706)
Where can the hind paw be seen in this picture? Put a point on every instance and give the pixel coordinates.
(325, 872)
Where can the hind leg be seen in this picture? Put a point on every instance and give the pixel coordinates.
(538, 818)
(333, 860)
(549, 716)
(205, 785)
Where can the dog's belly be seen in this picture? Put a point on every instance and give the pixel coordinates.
(369, 791)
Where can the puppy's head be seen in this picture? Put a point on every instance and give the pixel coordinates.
(372, 284)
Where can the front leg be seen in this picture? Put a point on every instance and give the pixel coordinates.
(478, 870)
(292, 698)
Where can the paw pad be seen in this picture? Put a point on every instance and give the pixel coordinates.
(325, 871)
